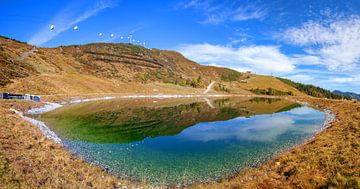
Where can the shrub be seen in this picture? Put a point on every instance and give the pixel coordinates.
(135, 49)
(144, 77)
(221, 87)
(233, 76)
(271, 91)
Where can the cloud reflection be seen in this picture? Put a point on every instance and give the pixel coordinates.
(262, 128)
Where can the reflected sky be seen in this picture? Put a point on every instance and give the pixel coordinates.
(257, 128)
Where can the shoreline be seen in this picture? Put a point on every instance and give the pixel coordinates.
(303, 165)
(28, 159)
(330, 116)
(46, 131)
(50, 106)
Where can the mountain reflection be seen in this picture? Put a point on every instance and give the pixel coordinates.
(125, 121)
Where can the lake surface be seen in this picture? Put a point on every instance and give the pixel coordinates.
(171, 141)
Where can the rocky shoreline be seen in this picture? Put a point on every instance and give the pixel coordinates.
(41, 125)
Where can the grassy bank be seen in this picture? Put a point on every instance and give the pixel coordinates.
(29, 160)
(330, 159)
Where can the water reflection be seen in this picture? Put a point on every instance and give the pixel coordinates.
(124, 121)
(263, 128)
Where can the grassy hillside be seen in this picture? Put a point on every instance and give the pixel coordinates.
(314, 90)
(118, 68)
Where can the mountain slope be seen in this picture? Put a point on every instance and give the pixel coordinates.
(117, 68)
(348, 94)
(313, 90)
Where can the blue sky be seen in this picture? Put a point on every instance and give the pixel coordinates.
(315, 42)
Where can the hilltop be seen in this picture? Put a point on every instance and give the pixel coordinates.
(116, 68)
(348, 94)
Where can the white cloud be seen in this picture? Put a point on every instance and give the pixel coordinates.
(306, 60)
(301, 78)
(249, 12)
(220, 11)
(215, 18)
(261, 129)
(335, 45)
(262, 59)
(355, 79)
(191, 3)
(63, 22)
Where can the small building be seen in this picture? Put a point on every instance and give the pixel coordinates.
(15, 96)
(20, 96)
(27, 97)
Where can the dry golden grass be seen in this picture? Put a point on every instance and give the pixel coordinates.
(77, 84)
(264, 82)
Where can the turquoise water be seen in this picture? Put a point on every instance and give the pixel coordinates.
(166, 142)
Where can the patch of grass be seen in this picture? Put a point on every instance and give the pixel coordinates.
(339, 181)
(221, 87)
(267, 100)
(232, 76)
(3, 166)
(13, 39)
(271, 91)
(136, 49)
(144, 77)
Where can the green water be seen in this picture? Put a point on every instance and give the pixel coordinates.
(171, 141)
